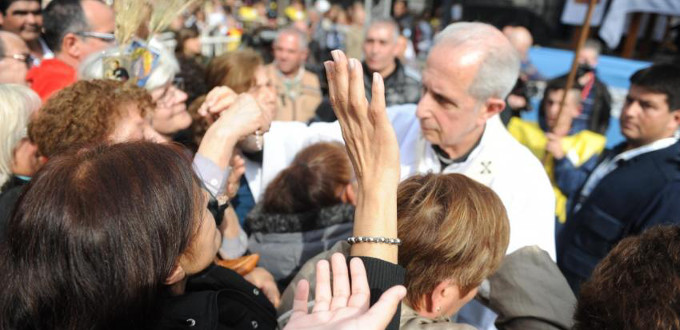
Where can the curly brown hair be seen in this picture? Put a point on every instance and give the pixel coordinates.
(84, 113)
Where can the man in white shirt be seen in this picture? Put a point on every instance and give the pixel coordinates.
(455, 129)
(635, 185)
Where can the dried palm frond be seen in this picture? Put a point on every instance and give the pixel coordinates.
(130, 14)
(165, 11)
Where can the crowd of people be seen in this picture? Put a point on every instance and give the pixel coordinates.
(381, 162)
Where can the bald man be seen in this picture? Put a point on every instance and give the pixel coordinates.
(521, 39)
(15, 59)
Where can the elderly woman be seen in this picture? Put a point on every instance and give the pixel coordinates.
(241, 72)
(18, 157)
(169, 115)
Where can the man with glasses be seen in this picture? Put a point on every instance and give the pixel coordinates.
(24, 18)
(74, 29)
(15, 59)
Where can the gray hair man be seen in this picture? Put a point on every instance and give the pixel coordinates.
(298, 90)
(402, 85)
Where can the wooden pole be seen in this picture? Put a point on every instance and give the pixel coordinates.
(563, 119)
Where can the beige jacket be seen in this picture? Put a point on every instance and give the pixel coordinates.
(299, 101)
(410, 320)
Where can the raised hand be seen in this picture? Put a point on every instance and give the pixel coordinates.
(217, 100)
(368, 134)
(242, 118)
(373, 149)
(347, 306)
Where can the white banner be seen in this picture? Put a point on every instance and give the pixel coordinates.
(575, 11)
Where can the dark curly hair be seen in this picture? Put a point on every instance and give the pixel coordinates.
(637, 286)
(84, 113)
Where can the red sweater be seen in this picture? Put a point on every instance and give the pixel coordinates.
(51, 76)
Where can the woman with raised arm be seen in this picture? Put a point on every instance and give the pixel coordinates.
(374, 152)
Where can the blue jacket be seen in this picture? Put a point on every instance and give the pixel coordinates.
(642, 192)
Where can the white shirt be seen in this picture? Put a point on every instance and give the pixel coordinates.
(498, 161)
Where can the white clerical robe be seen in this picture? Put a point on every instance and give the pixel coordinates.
(498, 161)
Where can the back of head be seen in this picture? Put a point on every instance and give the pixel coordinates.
(311, 181)
(17, 103)
(500, 63)
(84, 113)
(520, 38)
(663, 79)
(61, 17)
(78, 253)
(452, 228)
(235, 70)
(637, 286)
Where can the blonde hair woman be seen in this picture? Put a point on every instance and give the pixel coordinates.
(18, 155)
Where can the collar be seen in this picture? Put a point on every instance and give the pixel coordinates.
(369, 74)
(408, 314)
(291, 81)
(654, 146)
(444, 157)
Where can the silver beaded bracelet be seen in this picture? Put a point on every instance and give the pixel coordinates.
(367, 239)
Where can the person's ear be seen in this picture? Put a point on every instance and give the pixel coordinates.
(675, 119)
(176, 275)
(71, 45)
(441, 297)
(447, 298)
(491, 107)
(349, 195)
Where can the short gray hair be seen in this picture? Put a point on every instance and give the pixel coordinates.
(593, 44)
(389, 22)
(93, 66)
(301, 36)
(499, 67)
(17, 103)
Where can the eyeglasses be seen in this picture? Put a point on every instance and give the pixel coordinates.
(168, 95)
(105, 37)
(27, 59)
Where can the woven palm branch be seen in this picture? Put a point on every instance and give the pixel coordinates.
(165, 11)
(130, 14)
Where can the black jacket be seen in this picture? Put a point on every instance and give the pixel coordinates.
(218, 298)
(401, 87)
(642, 192)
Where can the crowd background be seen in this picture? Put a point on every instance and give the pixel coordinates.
(312, 128)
